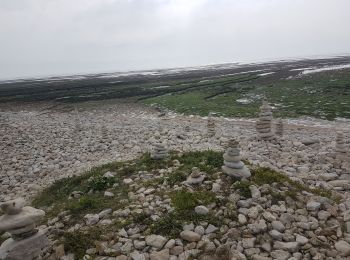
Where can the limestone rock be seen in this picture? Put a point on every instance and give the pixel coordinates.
(156, 241)
(233, 166)
(190, 236)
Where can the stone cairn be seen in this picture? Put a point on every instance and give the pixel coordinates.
(77, 126)
(263, 125)
(196, 177)
(340, 147)
(279, 128)
(159, 149)
(233, 166)
(104, 133)
(26, 240)
(211, 125)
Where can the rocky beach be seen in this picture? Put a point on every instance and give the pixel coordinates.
(42, 143)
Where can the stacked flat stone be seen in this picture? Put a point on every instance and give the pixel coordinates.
(233, 166)
(340, 146)
(211, 126)
(104, 133)
(263, 125)
(26, 240)
(77, 127)
(159, 149)
(196, 177)
(279, 128)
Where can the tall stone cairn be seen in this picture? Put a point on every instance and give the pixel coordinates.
(26, 240)
(104, 133)
(340, 146)
(233, 166)
(263, 125)
(77, 126)
(279, 128)
(159, 148)
(211, 126)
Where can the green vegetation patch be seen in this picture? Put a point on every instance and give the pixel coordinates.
(186, 200)
(171, 224)
(322, 95)
(78, 241)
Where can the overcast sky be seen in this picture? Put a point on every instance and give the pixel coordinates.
(55, 37)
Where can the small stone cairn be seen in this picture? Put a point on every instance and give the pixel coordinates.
(263, 125)
(233, 166)
(340, 146)
(77, 126)
(104, 133)
(211, 125)
(26, 240)
(159, 149)
(279, 128)
(196, 177)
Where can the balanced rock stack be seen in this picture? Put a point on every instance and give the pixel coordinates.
(211, 126)
(196, 177)
(279, 128)
(77, 127)
(159, 149)
(340, 146)
(104, 133)
(233, 166)
(263, 125)
(26, 241)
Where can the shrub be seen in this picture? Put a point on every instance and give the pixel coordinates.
(100, 183)
(243, 188)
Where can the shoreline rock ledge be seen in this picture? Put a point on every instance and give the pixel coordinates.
(26, 240)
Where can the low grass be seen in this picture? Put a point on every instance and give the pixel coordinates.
(321, 95)
(208, 161)
(171, 224)
(186, 200)
(92, 184)
(78, 241)
(261, 176)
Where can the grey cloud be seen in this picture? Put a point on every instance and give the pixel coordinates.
(50, 37)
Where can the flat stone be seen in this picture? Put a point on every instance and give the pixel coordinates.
(301, 239)
(242, 219)
(156, 241)
(195, 181)
(190, 236)
(137, 256)
(211, 229)
(201, 210)
(278, 225)
(91, 219)
(237, 173)
(342, 247)
(231, 158)
(313, 205)
(234, 165)
(258, 227)
(109, 194)
(161, 255)
(25, 249)
(280, 255)
(255, 192)
(291, 247)
(27, 216)
(248, 242)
